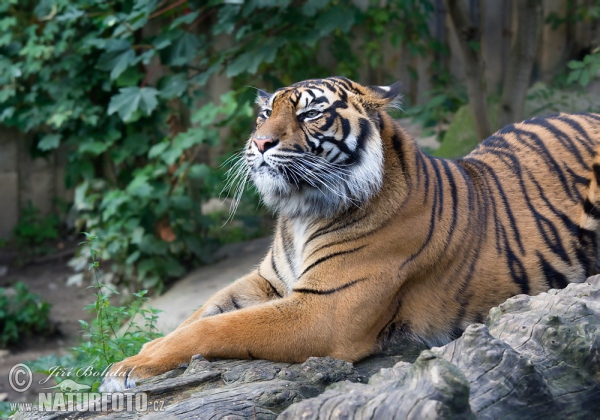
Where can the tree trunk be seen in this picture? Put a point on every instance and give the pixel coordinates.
(469, 38)
(520, 62)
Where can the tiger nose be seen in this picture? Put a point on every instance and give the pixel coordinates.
(264, 144)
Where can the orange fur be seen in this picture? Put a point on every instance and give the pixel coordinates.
(434, 246)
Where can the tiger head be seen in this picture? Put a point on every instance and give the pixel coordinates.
(316, 149)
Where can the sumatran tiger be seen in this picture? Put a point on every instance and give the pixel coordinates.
(377, 241)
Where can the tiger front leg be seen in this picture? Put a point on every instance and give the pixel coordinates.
(250, 290)
(291, 329)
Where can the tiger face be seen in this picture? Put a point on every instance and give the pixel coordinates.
(316, 149)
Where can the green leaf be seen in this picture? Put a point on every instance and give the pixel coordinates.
(131, 99)
(584, 80)
(337, 17)
(140, 186)
(185, 19)
(199, 171)
(574, 76)
(575, 64)
(158, 149)
(117, 59)
(173, 86)
(182, 50)
(311, 7)
(49, 142)
(249, 61)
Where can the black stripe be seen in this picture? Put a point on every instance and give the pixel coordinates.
(440, 188)
(431, 220)
(596, 169)
(250, 355)
(329, 291)
(589, 146)
(389, 323)
(275, 266)
(287, 242)
(336, 224)
(400, 153)
(590, 209)
(327, 257)
(491, 175)
(554, 278)
(235, 304)
(270, 285)
(565, 140)
(586, 252)
(456, 332)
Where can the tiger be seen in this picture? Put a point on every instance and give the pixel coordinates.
(377, 242)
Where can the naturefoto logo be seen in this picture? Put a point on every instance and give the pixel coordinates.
(71, 395)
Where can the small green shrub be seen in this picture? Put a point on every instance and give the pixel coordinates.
(112, 335)
(21, 313)
(32, 232)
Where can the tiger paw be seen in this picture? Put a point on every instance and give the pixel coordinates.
(128, 373)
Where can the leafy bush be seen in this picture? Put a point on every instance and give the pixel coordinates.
(584, 71)
(441, 107)
(114, 82)
(21, 313)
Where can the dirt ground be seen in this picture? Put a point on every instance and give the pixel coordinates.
(49, 281)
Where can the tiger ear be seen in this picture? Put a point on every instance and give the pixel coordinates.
(377, 97)
(262, 97)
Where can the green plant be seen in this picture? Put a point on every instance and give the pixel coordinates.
(442, 104)
(583, 71)
(32, 230)
(112, 335)
(114, 82)
(6, 409)
(21, 313)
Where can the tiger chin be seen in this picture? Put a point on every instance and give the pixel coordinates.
(377, 241)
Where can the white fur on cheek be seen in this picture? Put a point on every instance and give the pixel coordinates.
(351, 185)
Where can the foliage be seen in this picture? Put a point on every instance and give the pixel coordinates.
(438, 110)
(21, 313)
(6, 409)
(114, 83)
(461, 136)
(112, 335)
(544, 99)
(577, 11)
(583, 72)
(32, 231)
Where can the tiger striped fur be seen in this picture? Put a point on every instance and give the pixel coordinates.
(377, 241)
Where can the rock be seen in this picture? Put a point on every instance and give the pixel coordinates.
(535, 357)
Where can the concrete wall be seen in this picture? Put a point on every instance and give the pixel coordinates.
(24, 179)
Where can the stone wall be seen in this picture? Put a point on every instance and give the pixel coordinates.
(24, 179)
